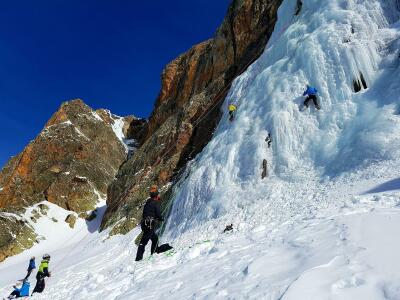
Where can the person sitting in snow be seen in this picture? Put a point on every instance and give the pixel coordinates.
(151, 217)
(23, 291)
(42, 273)
(31, 267)
(311, 94)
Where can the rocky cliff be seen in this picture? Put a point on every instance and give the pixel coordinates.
(188, 108)
(70, 163)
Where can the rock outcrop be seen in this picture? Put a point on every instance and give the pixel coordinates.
(15, 235)
(188, 107)
(70, 163)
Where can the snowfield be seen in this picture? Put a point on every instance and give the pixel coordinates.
(325, 223)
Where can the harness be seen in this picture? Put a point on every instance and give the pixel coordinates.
(149, 222)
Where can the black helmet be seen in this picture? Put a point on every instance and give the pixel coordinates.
(46, 256)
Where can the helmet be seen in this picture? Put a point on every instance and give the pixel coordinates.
(153, 191)
(46, 256)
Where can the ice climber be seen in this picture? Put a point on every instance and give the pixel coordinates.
(311, 94)
(299, 5)
(232, 109)
(42, 273)
(268, 140)
(31, 267)
(23, 291)
(151, 217)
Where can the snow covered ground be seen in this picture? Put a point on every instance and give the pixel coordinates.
(350, 252)
(325, 224)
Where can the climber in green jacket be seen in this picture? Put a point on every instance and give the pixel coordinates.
(42, 273)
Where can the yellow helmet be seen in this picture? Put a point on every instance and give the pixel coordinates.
(232, 107)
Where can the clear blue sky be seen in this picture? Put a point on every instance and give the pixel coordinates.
(108, 53)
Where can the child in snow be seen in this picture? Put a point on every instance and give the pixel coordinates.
(31, 267)
(42, 273)
(20, 292)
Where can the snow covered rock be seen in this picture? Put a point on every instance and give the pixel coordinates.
(70, 163)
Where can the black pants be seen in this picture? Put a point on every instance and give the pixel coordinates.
(231, 115)
(40, 285)
(148, 234)
(16, 294)
(314, 99)
(29, 274)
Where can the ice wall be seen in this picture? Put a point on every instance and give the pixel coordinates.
(331, 45)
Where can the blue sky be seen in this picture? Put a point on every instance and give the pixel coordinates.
(108, 53)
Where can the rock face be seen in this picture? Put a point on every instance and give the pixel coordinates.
(70, 219)
(15, 236)
(70, 163)
(188, 107)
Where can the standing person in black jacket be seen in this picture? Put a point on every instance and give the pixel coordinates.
(151, 217)
(42, 273)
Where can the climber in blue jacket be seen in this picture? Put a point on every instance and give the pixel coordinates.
(31, 267)
(311, 94)
(20, 292)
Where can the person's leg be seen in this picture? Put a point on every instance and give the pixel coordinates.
(38, 285)
(142, 245)
(231, 115)
(154, 242)
(306, 101)
(29, 274)
(14, 294)
(314, 98)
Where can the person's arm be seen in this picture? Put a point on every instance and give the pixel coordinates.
(46, 272)
(305, 92)
(158, 213)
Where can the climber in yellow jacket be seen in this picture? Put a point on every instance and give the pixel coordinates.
(42, 273)
(232, 109)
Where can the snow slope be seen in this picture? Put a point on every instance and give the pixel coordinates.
(325, 224)
(338, 254)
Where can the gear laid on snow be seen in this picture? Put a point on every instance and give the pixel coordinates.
(164, 248)
(42, 273)
(151, 217)
(311, 94)
(232, 109)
